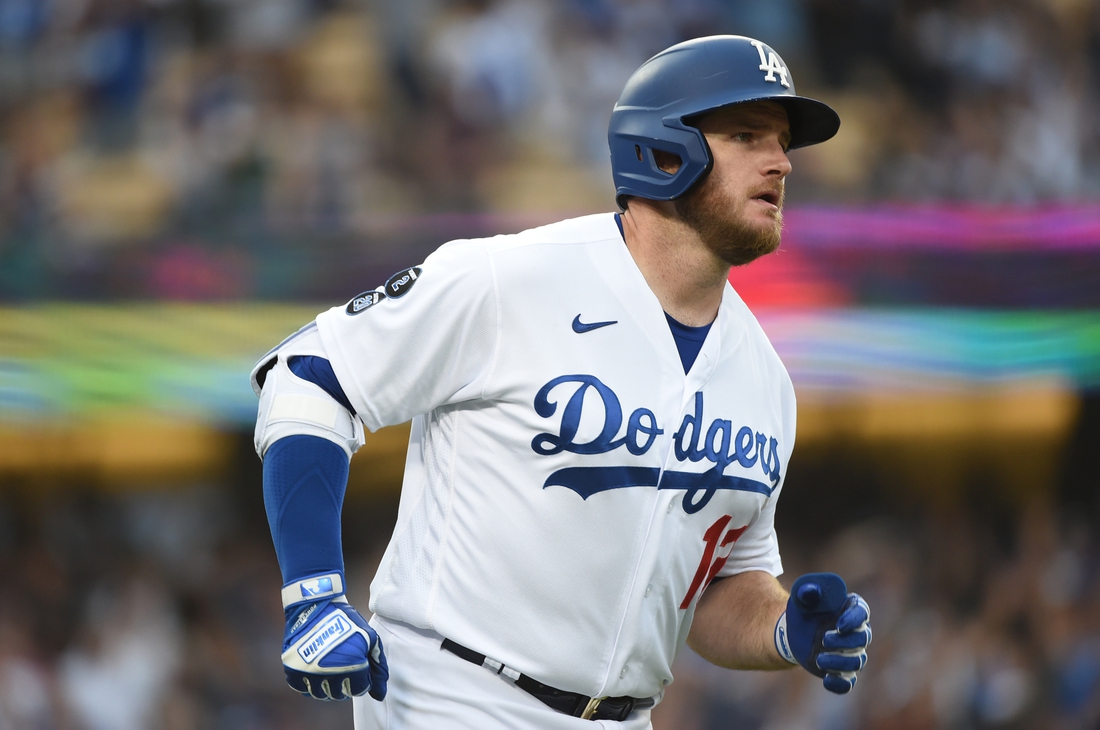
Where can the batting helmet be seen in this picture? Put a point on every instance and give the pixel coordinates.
(686, 80)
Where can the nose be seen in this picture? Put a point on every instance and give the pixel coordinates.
(778, 164)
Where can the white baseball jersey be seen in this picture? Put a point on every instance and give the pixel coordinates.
(568, 491)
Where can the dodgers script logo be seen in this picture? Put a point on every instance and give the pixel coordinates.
(719, 444)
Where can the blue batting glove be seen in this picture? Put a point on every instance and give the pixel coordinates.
(825, 629)
(330, 652)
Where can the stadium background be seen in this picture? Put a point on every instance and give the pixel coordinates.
(183, 182)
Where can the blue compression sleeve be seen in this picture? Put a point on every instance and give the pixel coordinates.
(304, 482)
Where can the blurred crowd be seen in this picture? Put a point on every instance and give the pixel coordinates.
(133, 121)
(220, 141)
(158, 609)
(151, 610)
(976, 625)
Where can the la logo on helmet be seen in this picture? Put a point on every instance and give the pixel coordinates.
(772, 65)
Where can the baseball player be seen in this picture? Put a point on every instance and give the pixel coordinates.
(600, 434)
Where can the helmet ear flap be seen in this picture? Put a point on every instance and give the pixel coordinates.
(638, 166)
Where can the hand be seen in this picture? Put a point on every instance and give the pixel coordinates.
(826, 630)
(331, 653)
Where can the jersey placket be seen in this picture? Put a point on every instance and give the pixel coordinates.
(651, 581)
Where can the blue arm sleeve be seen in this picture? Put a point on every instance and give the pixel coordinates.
(304, 482)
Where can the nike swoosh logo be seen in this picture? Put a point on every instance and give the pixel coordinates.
(580, 327)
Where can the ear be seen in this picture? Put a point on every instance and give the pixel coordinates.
(667, 161)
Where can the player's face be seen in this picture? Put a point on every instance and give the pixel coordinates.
(737, 209)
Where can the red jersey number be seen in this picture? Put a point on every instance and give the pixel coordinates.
(709, 565)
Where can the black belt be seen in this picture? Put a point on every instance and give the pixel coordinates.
(569, 703)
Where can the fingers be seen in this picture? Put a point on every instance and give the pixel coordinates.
(840, 683)
(336, 687)
(377, 654)
(322, 689)
(842, 662)
(845, 646)
(853, 640)
(313, 688)
(357, 684)
(345, 681)
(297, 682)
(819, 593)
(809, 595)
(340, 686)
(379, 671)
(856, 613)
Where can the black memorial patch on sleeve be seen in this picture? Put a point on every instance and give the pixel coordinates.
(395, 287)
(400, 283)
(364, 301)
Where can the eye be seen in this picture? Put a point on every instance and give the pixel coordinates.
(742, 137)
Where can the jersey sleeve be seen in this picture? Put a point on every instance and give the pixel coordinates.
(758, 546)
(426, 338)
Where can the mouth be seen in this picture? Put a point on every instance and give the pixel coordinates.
(770, 197)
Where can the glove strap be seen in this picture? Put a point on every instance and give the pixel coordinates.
(313, 588)
(782, 644)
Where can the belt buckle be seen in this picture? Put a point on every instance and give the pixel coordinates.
(590, 708)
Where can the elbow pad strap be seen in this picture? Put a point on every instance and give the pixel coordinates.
(291, 406)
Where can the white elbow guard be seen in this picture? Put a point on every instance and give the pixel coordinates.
(291, 406)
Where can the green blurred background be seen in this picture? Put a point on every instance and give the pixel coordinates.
(185, 182)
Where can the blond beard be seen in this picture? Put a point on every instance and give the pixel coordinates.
(731, 238)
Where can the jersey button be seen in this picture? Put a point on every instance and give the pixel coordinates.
(648, 588)
(669, 510)
(622, 673)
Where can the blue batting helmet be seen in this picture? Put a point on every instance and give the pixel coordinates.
(689, 79)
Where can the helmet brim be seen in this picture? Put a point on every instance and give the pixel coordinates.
(811, 121)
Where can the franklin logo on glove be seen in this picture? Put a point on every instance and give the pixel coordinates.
(330, 652)
(315, 644)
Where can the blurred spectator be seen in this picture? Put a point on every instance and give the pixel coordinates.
(983, 619)
(145, 610)
(134, 123)
(130, 638)
(27, 694)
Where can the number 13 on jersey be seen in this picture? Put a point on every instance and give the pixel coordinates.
(709, 565)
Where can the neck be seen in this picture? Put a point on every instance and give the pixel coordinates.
(685, 275)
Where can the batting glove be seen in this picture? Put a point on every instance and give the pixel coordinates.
(825, 629)
(330, 652)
